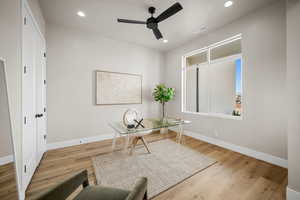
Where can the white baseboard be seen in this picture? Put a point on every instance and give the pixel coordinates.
(292, 194)
(79, 141)
(6, 159)
(243, 150)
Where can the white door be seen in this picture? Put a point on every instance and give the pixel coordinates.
(41, 97)
(34, 98)
(29, 105)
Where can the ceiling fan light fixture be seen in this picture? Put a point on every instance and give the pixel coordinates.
(165, 41)
(81, 14)
(227, 4)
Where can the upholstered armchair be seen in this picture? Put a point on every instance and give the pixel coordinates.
(89, 192)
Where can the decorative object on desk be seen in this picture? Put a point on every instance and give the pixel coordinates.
(129, 116)
(113, 88)
(162, 94)
(236, 112)
(139, 123)
(130, 126)
(178, 118)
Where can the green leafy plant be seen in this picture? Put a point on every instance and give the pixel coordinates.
(162, 94)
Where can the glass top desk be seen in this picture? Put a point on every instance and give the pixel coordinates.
(150, 125)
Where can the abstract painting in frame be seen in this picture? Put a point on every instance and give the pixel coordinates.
(114, 88)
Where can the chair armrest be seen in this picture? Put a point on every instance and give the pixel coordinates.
(139, 191)
(65, 188)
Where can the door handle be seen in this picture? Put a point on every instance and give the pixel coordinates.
(39, 115)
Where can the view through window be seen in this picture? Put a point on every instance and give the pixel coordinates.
(212, 79)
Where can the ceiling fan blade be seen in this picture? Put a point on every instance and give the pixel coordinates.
(157, 33)
(131, 21)
(169, 12)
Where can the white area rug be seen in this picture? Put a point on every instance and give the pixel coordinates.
(168, 164)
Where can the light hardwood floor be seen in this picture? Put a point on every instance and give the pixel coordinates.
(8, 186)
(233, 177)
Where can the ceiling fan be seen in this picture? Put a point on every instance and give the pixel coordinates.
(152, 22)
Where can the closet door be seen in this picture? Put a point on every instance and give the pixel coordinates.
(29, 101)
(41, 97)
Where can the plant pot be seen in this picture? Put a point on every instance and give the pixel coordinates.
(164, 130)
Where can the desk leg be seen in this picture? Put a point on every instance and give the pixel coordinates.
(113, 146)
(179, 134)
(127, 138)
(133, 144)
(145, 144)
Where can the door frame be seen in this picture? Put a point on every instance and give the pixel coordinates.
(16, 161)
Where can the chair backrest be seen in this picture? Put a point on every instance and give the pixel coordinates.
(65, 188)
(139, 191)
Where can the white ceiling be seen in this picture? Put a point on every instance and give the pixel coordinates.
(101, 17)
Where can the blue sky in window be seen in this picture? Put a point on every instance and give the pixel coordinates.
(238, 78)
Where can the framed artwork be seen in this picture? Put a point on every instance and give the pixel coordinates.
(114, 88)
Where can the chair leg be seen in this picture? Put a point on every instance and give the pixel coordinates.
(85, 183)
(145, 196)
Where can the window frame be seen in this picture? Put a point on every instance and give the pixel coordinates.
(209, 61)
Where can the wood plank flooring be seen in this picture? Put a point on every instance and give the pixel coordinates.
(233, 177)
(8, 186)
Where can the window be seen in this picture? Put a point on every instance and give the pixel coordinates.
(212, 79)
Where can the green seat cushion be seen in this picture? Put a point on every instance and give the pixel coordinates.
(102, 193)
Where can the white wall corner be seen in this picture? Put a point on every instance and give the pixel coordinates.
(292, 194)
(6, 159)
(68, 143)
(243, 150)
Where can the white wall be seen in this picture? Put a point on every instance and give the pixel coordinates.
(10, 49)
(293, 82)
(72, 58)
(264, 45)
(5, 127)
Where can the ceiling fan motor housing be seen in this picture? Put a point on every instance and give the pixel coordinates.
(151, 10)
(151, 23)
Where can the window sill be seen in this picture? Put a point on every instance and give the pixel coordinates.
(217, 115)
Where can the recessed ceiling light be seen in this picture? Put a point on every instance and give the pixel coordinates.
(228, 4)
(165, 41)
(81, 14)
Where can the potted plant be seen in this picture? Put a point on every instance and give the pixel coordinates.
(162, 94)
